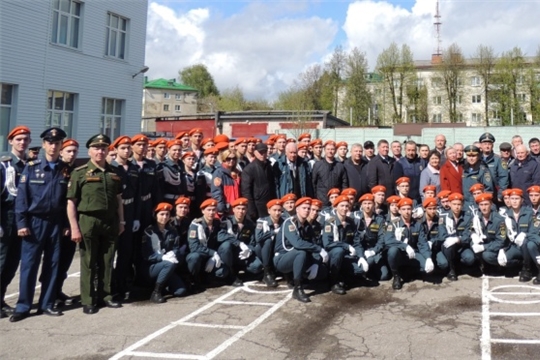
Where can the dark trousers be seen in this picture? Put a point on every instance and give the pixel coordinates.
(294, 261)
(44, 239)
(265, 252)
(10, 251)
(398, 258)
(164, 273)
(123, 271)
(67, 252)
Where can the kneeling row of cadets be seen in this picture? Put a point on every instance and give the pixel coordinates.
(303, 244)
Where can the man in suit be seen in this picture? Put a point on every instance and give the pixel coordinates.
(451, 173)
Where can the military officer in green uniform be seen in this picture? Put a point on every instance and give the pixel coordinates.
(96, 219)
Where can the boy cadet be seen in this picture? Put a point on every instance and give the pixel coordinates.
(265, 236)
(39, 211)
(96, 218)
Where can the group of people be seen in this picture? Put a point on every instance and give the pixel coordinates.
(177, 213)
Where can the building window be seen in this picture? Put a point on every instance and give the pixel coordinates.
(166, 95)
(476, 99)
(178, 96)
(66, 23)
(476, 117)
(495, 114)
(437, 118)
(116, 36)
(460, 117)
(177, 108)
(60, 110)
(437, 100)
(166, 107)
(111, 117)
(475, 81)
(419, 83)
(522, 97)
(6, 103)
(436, 81)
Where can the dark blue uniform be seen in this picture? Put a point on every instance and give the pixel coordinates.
(477, 174)
(372, 241)
(203, 244)
(499, 174)
(459, 227)
(494, 229)
(171, 180)
(265, 236)
(40, 207)
(515, 252)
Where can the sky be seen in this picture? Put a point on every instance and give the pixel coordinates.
(262, 46)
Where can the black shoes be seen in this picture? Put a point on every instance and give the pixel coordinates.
(270, 279)
(237, 282)
(298, 292)
(49, 312)
(525, 275)
(536, 280)
(6, 310)
(338, 288)
(18, 316)
(63, 299)
(397, 284)
(452, 276)
(90, 309)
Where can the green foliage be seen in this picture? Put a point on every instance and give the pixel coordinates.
(452, 75)
(198, 77)
(357, 97)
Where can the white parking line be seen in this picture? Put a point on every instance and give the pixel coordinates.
(131, 350)
(77, 274)
(485, 342)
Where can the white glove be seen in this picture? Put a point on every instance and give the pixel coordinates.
(245, 252)
(312, 271)
(452, 240)
(520, 239)
(406, 240)
(476, 239)
(170, 257)
(363, 264)
(136, 225)
(418, 213)
(324, 256)
(210, 265)
(477, 248)
(217, 259)
(538, 260)
(399, 233)
(410, 252)
(1, 232)
(449, 224)
(430, 243)
(352, 250)
(501, 258)
(369, 253)
(502, 211)
(266, 227)
(429, 266)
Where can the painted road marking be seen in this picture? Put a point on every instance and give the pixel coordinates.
(77, 274)
(242, 330)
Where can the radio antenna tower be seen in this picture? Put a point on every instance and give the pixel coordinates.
(437, 25)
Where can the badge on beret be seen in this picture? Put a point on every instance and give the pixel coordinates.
(291, 227)
(327, 228)
(193, 233)
(217, 181)
(503, 230)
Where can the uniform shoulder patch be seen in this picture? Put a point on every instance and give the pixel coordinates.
(536, 223)
(389, 228)
(217, 181)
(504, 165)
(291, 227)
(328, 228)
(193, 233)
(23, 179)
(197, 221)
(441, 220)
(487, 176)
(34, 162)
(5, 158)
(503, 230)
(259, 225)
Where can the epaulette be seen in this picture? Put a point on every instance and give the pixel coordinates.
(5, 158)
(81, 167)
(331, 219)
(197, 221)
(34, 162)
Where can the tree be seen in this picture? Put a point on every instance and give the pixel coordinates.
(357, 97)
(485, 67)
(451, 73)
(396, 67)
(533, 86)
(335, 67)
(509, 81)
(417, 96)
(198, 77)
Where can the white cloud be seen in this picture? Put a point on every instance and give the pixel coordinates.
(260, 49)
(372, 26)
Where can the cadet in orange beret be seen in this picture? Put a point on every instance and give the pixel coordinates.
(442, 196)
(392, 215)
(288, 201)
(171, 173)
(161, 146)
(304, 138)
(221, 138)
(379, 195)
(207, 143)
(280, 143)
(265, 235)
(342, 148)
(429, 191)
(303, 151)
(407, 244)
(316, 148)
(237, 236)
(181, 222)
(506, 199)
(534, 197)
(351, 194)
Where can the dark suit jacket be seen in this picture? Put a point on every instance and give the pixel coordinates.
(450, 178)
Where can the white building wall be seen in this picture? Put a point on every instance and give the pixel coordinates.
(30, 61)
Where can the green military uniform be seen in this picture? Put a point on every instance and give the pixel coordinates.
(95, 191)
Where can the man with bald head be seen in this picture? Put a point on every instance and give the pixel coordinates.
(292, 174)
(524, 172)
(440, 146)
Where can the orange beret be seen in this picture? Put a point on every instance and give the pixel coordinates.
(349, 191)
(402, 180)
(289, 197)
(251, 140)
(428, 202)
(303, 201)
(121, 140)
(174, 142)
(240, 141)
(315, 142)
(316, 202)
(534, 189)
(302, 146)
(455, 196)
(394, 199)
(240, 201)
(404, 202)
(274, 203)
(69, 142)
(281, 136)
(483, 197)
(195, 131)
(182, 200)
(111, 148)
(304, 136)
(19, 130)
(221, 138)
(187, 154)
(444, 194)
(211, 151)
(342, 143)
(429, 188)
(291, 140)
(329, 142)
(272, 137)
(206, 140)
(334, 191)
(181, 134)
(366, 197)
(270, 142)
(163, 207)
(222, 146)
(476, 187)
(160, 141)
(139, 138)
(208, 202)
(506, 192)
(517, 192)
(378, 188)
(339, 199)
(258, 140)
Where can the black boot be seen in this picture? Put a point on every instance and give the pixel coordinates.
(269, 278)
(290, 283)
(397, 284)
(298, 292)
(452, 275)
(157, 296)
(338, 288)
(525, 274)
